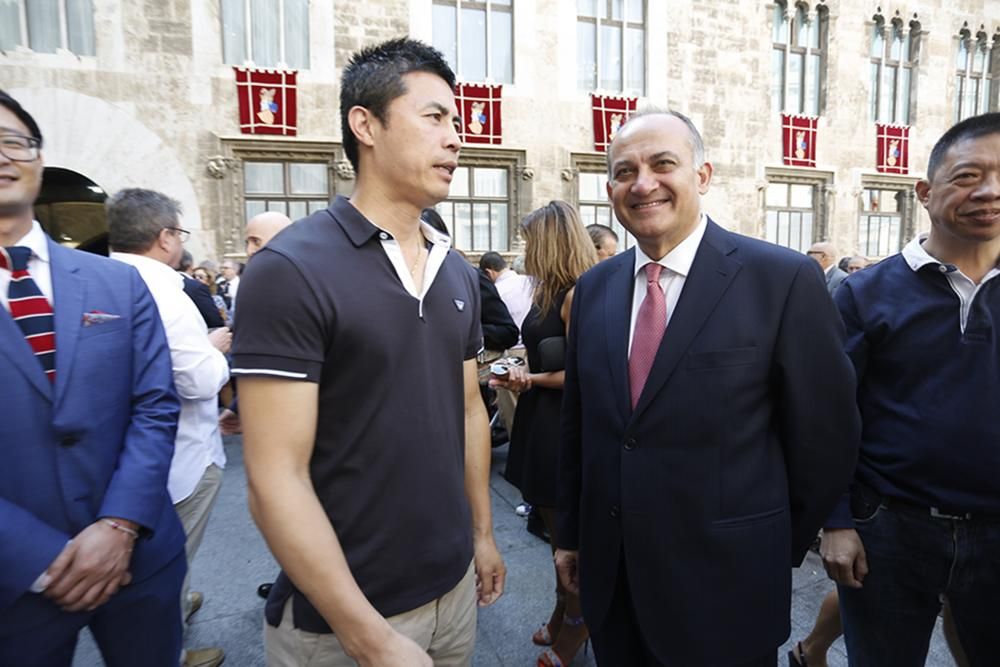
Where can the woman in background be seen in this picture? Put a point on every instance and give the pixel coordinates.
(557, 251)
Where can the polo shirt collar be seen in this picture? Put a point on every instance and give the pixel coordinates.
(917, 257)
(360, 229)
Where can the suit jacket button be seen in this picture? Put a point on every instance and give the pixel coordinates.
(614, 512)
(630, 444)
(69, 441)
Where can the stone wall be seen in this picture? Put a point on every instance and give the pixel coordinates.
(159, 66)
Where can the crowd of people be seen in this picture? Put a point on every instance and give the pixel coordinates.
(685, 416)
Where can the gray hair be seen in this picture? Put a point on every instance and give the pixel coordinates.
(697, 143)
(137, 216)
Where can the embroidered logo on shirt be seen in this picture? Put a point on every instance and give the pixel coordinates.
(459, 304)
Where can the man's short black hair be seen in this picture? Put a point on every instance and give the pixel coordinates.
(493, 261)
(970, 128)
(15, 108)
(374, 77)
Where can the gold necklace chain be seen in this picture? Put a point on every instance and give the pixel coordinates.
(416, 261)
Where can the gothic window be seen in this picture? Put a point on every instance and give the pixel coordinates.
(885, 216)
(794, 206)
(893, 53)
(611, 46)
(293, 188)
(266, 33)
(483, 204)
(47, 25)
(798, 58)
(477, 38)
(975, 73)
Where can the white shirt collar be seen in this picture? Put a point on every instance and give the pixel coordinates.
(680, 259)
(434, 236)
(915, 255)
(150, 265)
(37, 241)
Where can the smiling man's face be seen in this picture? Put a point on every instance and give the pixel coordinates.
(20, 182)
(963, 197)
(655, 185)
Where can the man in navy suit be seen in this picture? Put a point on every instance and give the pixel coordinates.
(88, 535)
(709, 421)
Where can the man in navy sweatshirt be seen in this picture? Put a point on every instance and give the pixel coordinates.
(924, 512)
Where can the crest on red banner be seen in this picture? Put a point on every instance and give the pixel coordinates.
(267, 101)
(798, 140)
(610, 113)
(892, 148)
(479, 106)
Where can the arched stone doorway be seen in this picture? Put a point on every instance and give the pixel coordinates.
(70, 208)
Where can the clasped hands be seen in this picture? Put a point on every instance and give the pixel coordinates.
(92, 567)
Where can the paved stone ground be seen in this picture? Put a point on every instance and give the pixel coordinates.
(233, 560)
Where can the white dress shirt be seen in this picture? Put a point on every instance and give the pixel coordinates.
(515, 292)
(38, 265)
(200, 371)
(677, 265)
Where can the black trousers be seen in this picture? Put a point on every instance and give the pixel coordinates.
(619, 641)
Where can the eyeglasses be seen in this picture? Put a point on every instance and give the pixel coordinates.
(19, 148)
(182, 233)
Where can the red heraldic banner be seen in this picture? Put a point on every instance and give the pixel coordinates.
(893, 148)
(798, 140)
(267, 101)
(610, 113)
(479, 106)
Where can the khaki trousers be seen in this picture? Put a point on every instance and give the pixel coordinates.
(445, 628)
(194, 512)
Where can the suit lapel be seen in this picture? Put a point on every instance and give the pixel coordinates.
(20, 354)
(69, 292)
(617, 317)
(711, 273)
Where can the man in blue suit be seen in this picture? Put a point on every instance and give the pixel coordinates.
(88, 535)
(709, 421)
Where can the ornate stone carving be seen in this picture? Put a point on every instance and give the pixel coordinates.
(527, 173)
(345, 171)
(218, 165)
(569, 175)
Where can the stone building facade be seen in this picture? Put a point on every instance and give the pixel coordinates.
(143, 93)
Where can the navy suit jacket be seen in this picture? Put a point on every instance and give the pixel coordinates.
(202, 298)
(743, 439)
(96, 443)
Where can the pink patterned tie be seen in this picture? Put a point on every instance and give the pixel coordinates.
(649, 327)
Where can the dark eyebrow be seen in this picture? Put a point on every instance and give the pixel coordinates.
(967, 164)
(444, 111)
(664, 154)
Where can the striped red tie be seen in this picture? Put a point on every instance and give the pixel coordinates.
(29, 307)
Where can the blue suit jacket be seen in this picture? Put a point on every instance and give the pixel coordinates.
(742, 441)
(97, 443)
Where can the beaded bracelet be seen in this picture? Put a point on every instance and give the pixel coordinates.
(125, 529)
